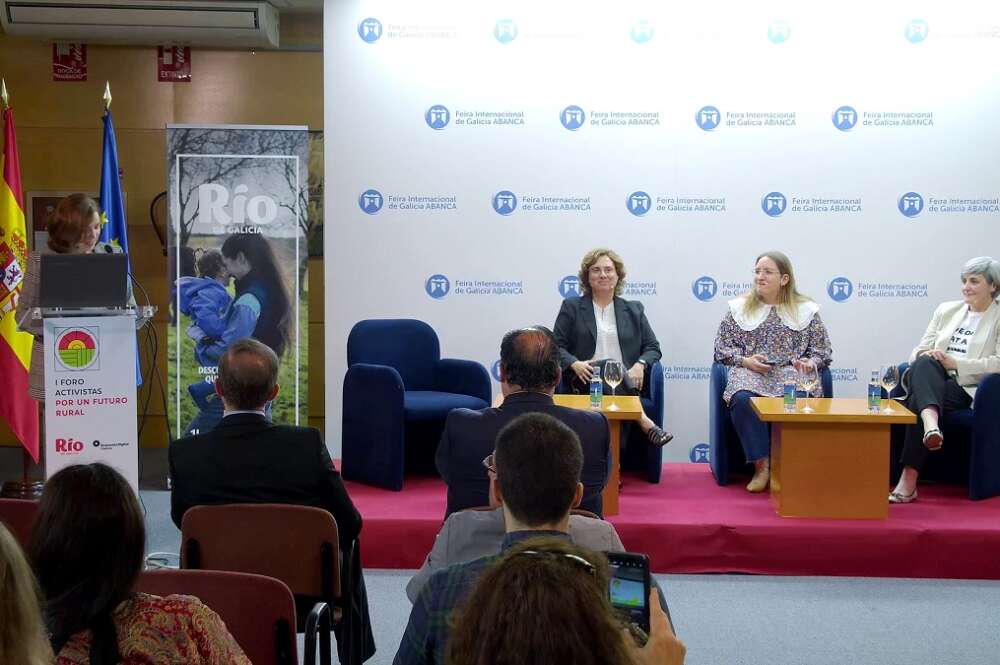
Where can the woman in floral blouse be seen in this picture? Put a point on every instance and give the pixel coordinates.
(765, 330)
(87, 550)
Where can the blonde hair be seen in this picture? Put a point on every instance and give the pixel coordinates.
(23, 638)
(590, 258)
(789, 297)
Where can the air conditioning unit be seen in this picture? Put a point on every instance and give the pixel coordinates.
(217, 23)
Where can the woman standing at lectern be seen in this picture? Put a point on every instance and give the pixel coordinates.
(600, 325)
(74, 228)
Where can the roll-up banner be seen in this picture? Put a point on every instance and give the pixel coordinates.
(237, 257)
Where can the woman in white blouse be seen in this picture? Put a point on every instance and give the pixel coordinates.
(959, 347)
(601, 325)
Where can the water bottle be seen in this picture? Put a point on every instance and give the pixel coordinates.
(596, 389)
(874, 393)
(788, 389)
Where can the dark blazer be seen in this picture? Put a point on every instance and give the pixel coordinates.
(576, 332)
(469, 436)
(247, 459)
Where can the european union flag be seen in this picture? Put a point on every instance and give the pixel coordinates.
(114, 226)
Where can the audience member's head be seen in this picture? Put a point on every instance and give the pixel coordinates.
(529, 359)
(210, 264)
(22, 633)
(248, 375)
(546, 601)
(538, 461)
(87, 551)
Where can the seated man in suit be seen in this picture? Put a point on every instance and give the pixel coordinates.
(535, 478)
(248, 459)
(529, 374)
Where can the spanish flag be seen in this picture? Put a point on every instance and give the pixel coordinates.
(19, 410)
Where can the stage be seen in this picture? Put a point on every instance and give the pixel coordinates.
(688, 524)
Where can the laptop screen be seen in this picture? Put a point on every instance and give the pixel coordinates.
(83, 280)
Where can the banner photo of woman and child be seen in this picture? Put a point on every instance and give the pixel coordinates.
(238, 211)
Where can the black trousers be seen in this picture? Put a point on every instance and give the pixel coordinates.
(930, 385)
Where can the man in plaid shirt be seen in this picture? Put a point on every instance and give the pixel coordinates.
(535, 474)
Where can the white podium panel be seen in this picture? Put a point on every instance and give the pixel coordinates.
(90, 411)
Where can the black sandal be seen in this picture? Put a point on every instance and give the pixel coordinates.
(659, 437)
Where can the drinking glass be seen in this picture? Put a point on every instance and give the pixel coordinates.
(808, 380)
(889, 378)
(613, 374)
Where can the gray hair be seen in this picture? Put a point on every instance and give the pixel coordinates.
(986, 266)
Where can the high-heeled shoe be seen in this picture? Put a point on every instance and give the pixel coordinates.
(933, 439)
(658, 436)
(899, 497)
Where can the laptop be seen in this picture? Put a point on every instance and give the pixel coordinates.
(71, 281)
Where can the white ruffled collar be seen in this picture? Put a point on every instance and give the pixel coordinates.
(803, 314)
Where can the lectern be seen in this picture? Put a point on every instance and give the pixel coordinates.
(90, 387)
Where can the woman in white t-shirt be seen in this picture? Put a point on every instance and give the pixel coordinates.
(959, 347)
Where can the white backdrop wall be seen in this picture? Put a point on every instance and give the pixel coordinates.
(408, 84)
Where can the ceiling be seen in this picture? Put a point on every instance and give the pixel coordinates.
(298, 6)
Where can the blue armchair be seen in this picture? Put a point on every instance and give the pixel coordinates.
(971, 453)
(398, 389)
(725, 451)
(650, 457)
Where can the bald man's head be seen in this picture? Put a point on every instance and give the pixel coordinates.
(248, 375)
(529, 358)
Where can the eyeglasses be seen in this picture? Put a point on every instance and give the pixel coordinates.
(490, 463)
(597, 270)
(769, 273)
(578, 561)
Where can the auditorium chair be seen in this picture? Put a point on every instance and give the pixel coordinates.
(295, 544)
(971, 451)
(397, 393)
(258, 611)
(725, 451)
(18, 515)
(648, 458)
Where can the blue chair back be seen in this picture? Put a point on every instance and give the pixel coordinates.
(409, 346)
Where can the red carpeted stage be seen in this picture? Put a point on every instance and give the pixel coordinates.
(688, 524)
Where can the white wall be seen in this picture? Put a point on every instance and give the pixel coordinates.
(377, 95)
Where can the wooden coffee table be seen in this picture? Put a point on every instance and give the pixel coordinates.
(831, 463)
(629, 408)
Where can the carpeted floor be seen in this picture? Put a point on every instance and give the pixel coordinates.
(689, 524)
(759, 619)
